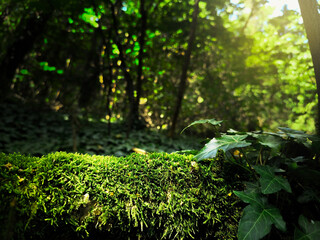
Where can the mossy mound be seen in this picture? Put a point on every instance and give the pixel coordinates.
(153, 196)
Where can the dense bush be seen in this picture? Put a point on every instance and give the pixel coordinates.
(153, 196)
(283, 190)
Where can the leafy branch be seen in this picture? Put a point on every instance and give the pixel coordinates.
(283, 165)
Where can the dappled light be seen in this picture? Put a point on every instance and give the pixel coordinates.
(164, 119)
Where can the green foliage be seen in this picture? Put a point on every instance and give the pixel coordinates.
(38, 131)
(210, 121)
(311, 230)
(283, 187)
(269, 182)
(153, 196)
(225, 143)
(90, 17)
(253, 70)
(256, 222)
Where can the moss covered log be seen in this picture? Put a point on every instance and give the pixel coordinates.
(153, 196)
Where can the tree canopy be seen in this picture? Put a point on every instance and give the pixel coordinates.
(126, 60)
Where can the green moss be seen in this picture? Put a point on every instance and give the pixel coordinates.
(152, 196)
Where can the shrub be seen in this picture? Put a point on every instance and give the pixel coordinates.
(283, 190)
(153, 196)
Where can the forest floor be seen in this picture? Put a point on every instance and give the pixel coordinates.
(29, 130)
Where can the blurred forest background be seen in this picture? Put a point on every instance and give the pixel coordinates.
(126, 65)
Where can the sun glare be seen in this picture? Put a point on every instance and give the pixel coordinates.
(279, 4)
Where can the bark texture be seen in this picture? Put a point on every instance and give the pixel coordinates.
(311, 20)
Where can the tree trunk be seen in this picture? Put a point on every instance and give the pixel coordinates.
(108, 84)
(143, 30)
(133, 118)
(90, 76)
(311, 20)
(26, 34)
(183, 79)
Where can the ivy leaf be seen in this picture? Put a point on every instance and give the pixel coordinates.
(270, 183)
(309, 195)
(256, 222)
(225, 143)
(299, 159)
(270, 141)
(276, 218)
(253, 198)
(210, 121)
(252, 187)
(299, 135)
(311, 230)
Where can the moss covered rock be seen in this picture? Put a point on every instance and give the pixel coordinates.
(154, 196)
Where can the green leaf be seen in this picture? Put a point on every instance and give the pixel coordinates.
(136, 47)
(225, 143)
(252, 187)
(270, 183)
(254, 198)
(42, 64)
(259, 203)
(151, 35)
(232, 131)
(299, 135)
(211, 121)
(309, 195)
(276, 218)
(89, 17)
(299, 159)
(115, 49)
(310, 230)
(270, 141)
(256, 222)
(24, 71)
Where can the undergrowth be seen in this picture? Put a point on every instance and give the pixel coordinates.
(282, 192)
(30, 130)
